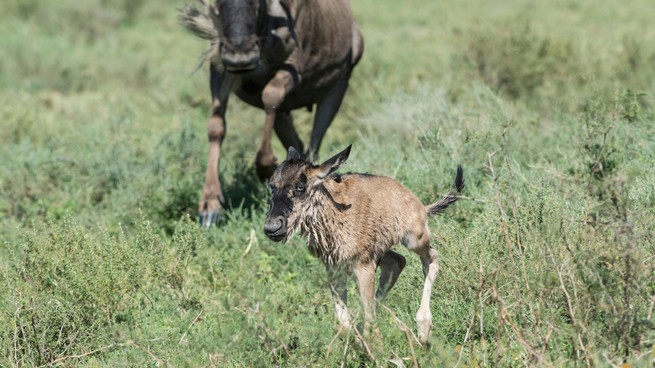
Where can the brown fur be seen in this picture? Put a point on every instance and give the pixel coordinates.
(352, 221)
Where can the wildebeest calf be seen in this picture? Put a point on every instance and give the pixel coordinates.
(352, 221)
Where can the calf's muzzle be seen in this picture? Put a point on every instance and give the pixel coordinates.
(275, 227)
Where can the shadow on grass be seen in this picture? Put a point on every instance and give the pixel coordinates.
(244, 192)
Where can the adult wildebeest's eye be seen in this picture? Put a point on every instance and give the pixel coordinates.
(300, 189)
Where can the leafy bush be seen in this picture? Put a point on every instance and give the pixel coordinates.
(69, 283)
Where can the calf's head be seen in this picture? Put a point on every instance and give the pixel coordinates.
(239, 21)
(292, 186)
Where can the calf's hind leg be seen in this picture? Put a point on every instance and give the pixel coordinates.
(430, 261)
(391, 265)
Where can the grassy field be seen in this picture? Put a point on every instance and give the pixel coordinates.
(549, 106)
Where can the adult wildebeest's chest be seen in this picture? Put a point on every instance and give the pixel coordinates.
(313, 86)
(315, 46)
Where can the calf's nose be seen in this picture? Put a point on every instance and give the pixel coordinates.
(274, 226)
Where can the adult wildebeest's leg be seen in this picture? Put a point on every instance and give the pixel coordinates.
(209, 207)
(272, 97)
(429, 259)
(391, 265)
(339, 291)
(286, 132)
(326, 110)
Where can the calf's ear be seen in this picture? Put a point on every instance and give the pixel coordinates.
(292, 154)
(331, 165)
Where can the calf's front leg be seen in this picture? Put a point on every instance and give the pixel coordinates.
(339, 291)
(365, 278)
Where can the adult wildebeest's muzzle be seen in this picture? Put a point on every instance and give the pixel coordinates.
(275, 227)
(240, 55)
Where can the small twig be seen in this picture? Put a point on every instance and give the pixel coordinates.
(503, 214)
(402, 324)
(158, 361)
(336, 335)
(15, 327)
(502, 314)
(579, 327)
(519, 243)
(77, 356)
(268, 333)
(649, 316)
(609, 360)
(478, 300)
(345, 352)
(466, 336)
(360, 338)
(409, 334)
(645, 353)
(147, 297)
(188, 328)
(252, 239)
(473, 317)
(547, 339)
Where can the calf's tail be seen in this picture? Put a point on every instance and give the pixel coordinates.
(450, 198)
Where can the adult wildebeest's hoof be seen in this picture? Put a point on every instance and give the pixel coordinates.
(265, 165)
(210, 209)
(265, 172)
(208, 218)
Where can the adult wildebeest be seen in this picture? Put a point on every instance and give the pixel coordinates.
(277, 55)
(352, 221)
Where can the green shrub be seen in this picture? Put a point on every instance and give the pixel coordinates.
(69, 283)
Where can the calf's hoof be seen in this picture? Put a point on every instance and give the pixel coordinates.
(424, 326)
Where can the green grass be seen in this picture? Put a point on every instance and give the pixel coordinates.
(547, 105)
